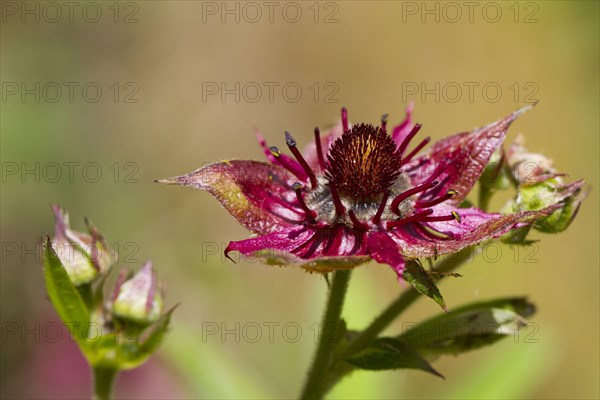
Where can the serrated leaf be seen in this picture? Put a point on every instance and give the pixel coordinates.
(468, 327)
(390, 353)
(421, 280)
(64, 296)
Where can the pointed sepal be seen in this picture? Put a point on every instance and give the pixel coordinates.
(422, 281)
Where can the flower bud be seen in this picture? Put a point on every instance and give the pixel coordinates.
(84, 256)
(539, 185)
(528, 168)
(570, 196)
(137, 299)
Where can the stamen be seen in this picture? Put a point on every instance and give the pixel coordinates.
(337, 202)
(418, 217)
(359, 225)
(292, 145)
(345, 119)
(427, 204)
(405, 195)
(285, 163)
(456, 216)
(275, 151)
(309, 247)
(377, 218)
(384, 120)
(408, 138)
(410, 155)
(428, 233)
(319, 149)
(453, 216)
(297, 186)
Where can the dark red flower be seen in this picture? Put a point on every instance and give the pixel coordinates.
(360, 193)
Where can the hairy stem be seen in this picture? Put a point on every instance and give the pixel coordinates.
(313, 387)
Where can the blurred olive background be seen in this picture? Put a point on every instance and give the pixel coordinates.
(245, 330)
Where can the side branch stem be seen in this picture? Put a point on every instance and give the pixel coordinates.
(406, 299)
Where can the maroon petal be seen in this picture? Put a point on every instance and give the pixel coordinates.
(460, 159)
(470, 219)
(384, 250)
(303, 247)
(286, 240)
(401, 130)
(257, 194)
(307, 242)
(415, 245)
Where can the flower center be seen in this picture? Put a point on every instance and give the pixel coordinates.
(363, 163)
(361, 184)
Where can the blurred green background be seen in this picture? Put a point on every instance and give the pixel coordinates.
(158, 63)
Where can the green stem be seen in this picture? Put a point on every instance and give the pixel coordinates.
(313, 388)
(380, 323)
(104, 378)
(392, 312)
(484, 197)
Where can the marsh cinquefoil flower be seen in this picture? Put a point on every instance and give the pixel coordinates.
(361, 192)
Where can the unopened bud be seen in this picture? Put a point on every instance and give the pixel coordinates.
(137, 299)
(528, 168)
(84, 256)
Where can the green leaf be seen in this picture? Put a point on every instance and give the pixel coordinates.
(514, 362)
(468, 327)
(421, 280)
(389, 353)
(65, 297)
(86, 293)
